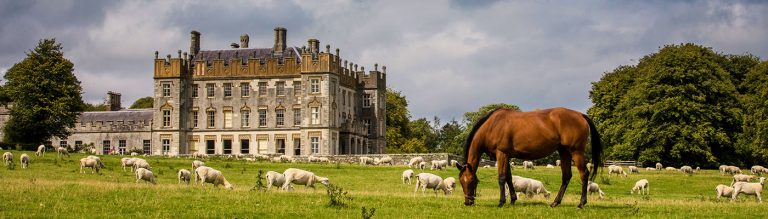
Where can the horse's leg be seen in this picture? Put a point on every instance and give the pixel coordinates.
(581, 165)
(565, 156)
(503, 168)
(512, 192)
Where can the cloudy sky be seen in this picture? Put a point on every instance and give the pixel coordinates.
(447, 57)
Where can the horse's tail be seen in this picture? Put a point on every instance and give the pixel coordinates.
(472, 133)
(597, 147)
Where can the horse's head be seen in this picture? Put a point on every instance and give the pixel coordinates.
(468, 180)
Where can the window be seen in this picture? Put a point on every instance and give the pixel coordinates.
(296, 146)
(314, 85)
(315, 144)
(227, 89)
(211, 119)
(147, 147)
(315, 115)
(280, 145)
(195, 90)
(333, 88)
(245, 116)
(262, 88)
(280, 117)
(166, 146)
(210, 146)
(245, 89)
(343, 97)
(367, 125)
(245, 146)
(78, 145)
(166, 90)
(166, 118)
(209, 89)
(297, 116)
(280, 88)
(227, 146)
(82, 123)
(297, 88)
(63, 143)
(366, 100)
(194, 119)
(262, 146)
(227, 119)
(121, 144)
(105, 147)
(263, 117)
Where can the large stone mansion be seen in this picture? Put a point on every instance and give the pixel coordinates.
(281, 100)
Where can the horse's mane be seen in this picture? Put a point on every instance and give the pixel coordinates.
(471, 136)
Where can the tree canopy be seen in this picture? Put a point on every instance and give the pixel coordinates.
(143, 103)
(45, 95)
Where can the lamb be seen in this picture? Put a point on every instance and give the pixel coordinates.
(141, 163)
(415, 161)
(592, 187)
(146, 175)
(617, 170)
(303, 177)
(407, 175)
(742, 178)
(184, 175)
(528, 165)
(650, 168)
(277, 159)
(733, 170)
(549, 166)
(384, 160)
(205, 174)
(659, 166)
(8, 158)
(723, 169)
(197, 163)
(687, 169)
(641, 186)
(325, 160)
(520, 184)
(287, 158)
(62, 151)
(454, 162)
(432, 181)
(365, 161)
(422, 165)
(633, 169)
(134, 154)
(723, 190)
(439, 164)
(40, 151)
(537, 187)
(755, 189)
(449, 184)
(671, 169)
(275, 179)
(98, 160)
(758, 170)
(127, 162)
(91, 163)
(24, 161)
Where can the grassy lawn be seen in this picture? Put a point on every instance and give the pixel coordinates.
(53, 187)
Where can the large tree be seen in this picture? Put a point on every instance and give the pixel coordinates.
(143, 103)
(398, 118)
(753, 143)
(45, 95)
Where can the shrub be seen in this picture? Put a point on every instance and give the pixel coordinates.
(337, 196)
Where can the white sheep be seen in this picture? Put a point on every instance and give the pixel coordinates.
(755, 189)
(438, 164)
(520, 184)
(40, 151)
(276, 159)
(205, 174)
(687, 169)
(303, 177)
(633, 169)
(8, 158)
(141, 163)
(557, 163)
(549, 166)
(197, 163)
(90, 163)
(723, 191)
(449, 184)
(529, 187)
(127, 162)
(134, 154)
(323, 160)
(650, 168)
(733, 170)
(407, 175)
(592, 187)
(62, 151)
(641, 186)
(528, 165)
(275, 179)
(617, 170)
(287, 158)
(184, 176)
(24, 161)
(384, 160)
(758, 170)
(415, 161)
(591, 167)
(431, 181)
(422, 165)
(723, 168)
(671, 169)
(454, 162)
(741, 178)
(537, 187)
(98, 160)
(146, 175)
(365, 161)
(659, 166)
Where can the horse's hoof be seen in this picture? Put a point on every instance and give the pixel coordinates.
(501, 205)
(581, 206)
(554, 204)
(512, 202)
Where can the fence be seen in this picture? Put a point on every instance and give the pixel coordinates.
(621, 163)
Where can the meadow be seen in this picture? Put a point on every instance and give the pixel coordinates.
(53, 188)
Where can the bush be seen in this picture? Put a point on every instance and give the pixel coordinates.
(337, 196)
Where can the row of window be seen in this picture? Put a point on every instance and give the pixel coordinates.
(107, 147)
(245, 117)
(118, 123)
(245, 88)
(261, 146)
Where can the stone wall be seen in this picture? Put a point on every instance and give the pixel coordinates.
(400, 159)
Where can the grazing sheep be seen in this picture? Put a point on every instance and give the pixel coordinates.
(324, 160)
(528, 165)
(659, 166)
(454, 162)
(184, 176)
(422, 165)
(24, 161)
(549, 166)
(686, 169)
(277, 160)
(520, 184)
(197, 163)
(723, 168)
(742, 178)
(8, 158)
(557, 163)
(98, 159)
(141, 163)
(146, 175)
(733, 170)
(449, 184)
(365, 161)
(537, 187)
(671, 169)
(127, 162)
(723, 190)
(591, 167)
(287, 158)
(592, 187)
(487, 166)
(302, 177)
(633, 169)
(275, 179)
(90, 163)
(617, 170)
(407, 175)
(650, 168)
(384, 160)
(134, 154)
(755, 189)
(40, 151)
(415, 161)
(439, 164)
(62, 151)
(431, 181)
(205, 174)
(529, 187)
(758, 170)
(641, 186)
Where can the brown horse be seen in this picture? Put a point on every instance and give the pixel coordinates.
(505, 134)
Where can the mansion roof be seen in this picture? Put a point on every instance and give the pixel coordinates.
(122, 115)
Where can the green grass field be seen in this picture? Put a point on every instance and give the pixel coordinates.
(54, 187)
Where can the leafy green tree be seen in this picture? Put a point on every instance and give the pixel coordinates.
(4, 98)
(95, 107)
(422, 129)
(753, 143)
(143, 103)
(448, 139)
(398, 118)
(738, 66)
(45, 95)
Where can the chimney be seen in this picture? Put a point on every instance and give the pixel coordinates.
(244, 41)
(194, 46)
(113, 101)
(314, 46)
(279, 41)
